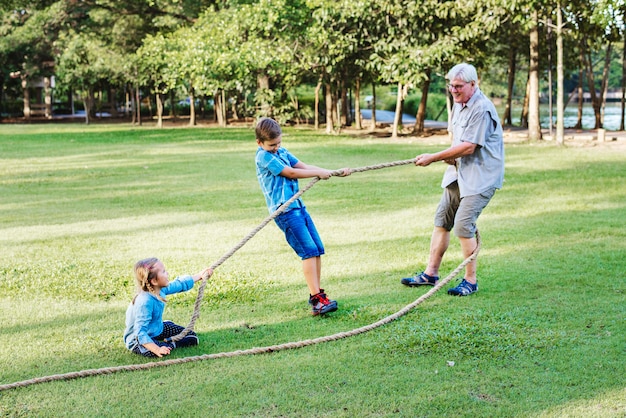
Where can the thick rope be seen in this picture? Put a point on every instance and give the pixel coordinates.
(281, 209)
(256, 350)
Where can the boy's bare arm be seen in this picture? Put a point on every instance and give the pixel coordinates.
(303, 171)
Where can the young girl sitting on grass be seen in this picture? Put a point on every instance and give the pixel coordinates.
(146, 333)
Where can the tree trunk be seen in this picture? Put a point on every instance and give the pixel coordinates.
(70, 97)
(595, 100)
(317, 103)
(420, 116)
(560, 108)
(128, 101)
(357, 104)
(217, 106)
(623, 99)
(524, 116)
(605, 83)
(581, 97)
(138, 101)
(96, 105)
(336, 95)
(134, 105)
(47, 97)
(87, 100)
(130, 104)
(329, 109)
(234, 109)
(159, 105)
(296, 105)
(26, 108)
(397, 120)
(507, 118)
(534, 126)
(224, 109)
(2, 96)
(343, 112)
(192, 106)
(373, 119)
(150, 107)
(550, 90)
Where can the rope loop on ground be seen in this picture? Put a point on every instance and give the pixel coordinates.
(267, 349)
(256, 350)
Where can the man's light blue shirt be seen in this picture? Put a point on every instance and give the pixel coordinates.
(477, 122)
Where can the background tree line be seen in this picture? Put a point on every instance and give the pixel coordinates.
(249, 58)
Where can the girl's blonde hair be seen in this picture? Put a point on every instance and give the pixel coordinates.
(144, 272)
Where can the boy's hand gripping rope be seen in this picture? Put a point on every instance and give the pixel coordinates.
(281, 209)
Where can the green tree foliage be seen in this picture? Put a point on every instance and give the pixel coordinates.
(84, 62)
(250, 56)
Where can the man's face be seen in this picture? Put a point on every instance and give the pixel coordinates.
(460, 90)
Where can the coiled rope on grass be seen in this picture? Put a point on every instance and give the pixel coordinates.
(258, 350)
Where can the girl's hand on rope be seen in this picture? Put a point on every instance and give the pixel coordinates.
(204, 274)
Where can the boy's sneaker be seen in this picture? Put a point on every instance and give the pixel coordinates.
(420, 279)
(465, 288)
(321, 304)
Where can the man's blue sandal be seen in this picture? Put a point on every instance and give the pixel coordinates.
(465, 288)
(420, 279)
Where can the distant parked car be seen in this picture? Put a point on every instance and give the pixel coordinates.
(187, 102)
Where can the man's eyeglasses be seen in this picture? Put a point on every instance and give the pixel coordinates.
(456, 87)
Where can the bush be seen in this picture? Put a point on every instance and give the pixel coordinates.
(436, 103)
(13, 108)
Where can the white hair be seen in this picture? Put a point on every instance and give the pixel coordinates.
(463, 71)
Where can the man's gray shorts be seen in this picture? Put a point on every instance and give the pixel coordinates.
(461, 214)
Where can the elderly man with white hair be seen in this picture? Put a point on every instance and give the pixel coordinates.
(475, 171)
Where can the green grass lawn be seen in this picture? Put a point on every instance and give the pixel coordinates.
(544, 337)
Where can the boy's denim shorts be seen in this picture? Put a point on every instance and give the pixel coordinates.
(301, 233)
(461, 214)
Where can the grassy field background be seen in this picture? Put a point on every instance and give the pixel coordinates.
(544, 336)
